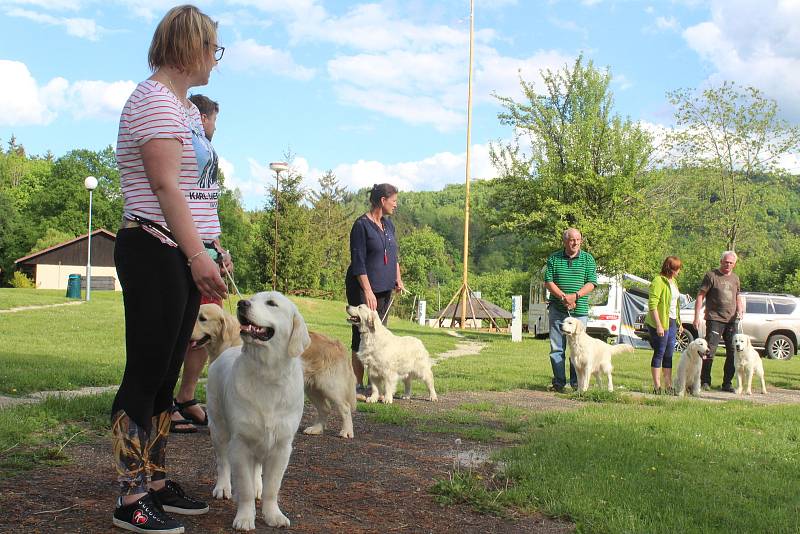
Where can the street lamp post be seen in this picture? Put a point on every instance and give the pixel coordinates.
(278, 167)
(90, 183)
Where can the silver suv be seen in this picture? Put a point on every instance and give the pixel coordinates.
(771, 320)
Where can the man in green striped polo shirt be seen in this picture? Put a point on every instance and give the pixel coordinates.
(570, 276)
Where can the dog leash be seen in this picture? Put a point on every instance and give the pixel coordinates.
(403, 291)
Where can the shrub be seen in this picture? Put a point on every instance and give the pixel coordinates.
(19, 280)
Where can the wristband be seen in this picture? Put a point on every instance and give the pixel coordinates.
(191, 258)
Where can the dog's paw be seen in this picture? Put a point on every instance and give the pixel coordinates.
(222, 491)
(346, 434)
(433, 398)
(244, 522)
(275, 518)
(313, 430)
(406, 397)
(372, 399)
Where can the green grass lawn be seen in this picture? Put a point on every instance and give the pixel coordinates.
(617, 464)
(15, 298)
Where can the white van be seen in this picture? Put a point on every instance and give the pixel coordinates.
(605, 306)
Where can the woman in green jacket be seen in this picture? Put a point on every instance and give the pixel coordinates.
(664, 322)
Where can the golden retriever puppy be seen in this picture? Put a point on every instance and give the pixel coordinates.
(329, 381)
(255, 403)
(388, 357)
(216, 330)
(747, 362)
(590, 356)
(688, 376)
(327, 367)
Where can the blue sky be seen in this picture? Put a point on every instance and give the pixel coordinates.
(377, 91)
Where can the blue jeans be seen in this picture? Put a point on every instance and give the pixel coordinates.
(663, 346)
(557, 345)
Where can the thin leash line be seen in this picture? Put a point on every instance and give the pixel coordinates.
(404, 291)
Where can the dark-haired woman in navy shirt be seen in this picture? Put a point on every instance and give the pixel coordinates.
(374, 270)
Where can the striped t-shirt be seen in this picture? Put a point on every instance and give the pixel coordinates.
(153, 112)
(571, 274)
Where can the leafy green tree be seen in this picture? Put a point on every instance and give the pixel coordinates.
(332, 221)
(51, 237)
(236, 236)
(298, 258)
(734, 136)
(586, 169)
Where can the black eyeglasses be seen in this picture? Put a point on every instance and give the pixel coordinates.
(219, 51)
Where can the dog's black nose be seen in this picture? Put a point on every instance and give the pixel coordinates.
(243, 305)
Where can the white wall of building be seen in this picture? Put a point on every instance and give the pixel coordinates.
(56, 276)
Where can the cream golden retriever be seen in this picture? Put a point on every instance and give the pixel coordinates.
(216, 330)
(388, 357)
(687, 379)
(747, 362)
(590, 356)
(255, 403)
(327, 367)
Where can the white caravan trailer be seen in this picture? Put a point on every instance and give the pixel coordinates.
(605, 306)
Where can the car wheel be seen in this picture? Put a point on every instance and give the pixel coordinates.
(779, 347)
(683, 339)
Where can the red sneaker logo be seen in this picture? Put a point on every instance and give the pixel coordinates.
(139, 518)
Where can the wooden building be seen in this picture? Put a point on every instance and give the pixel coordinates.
(50, 268)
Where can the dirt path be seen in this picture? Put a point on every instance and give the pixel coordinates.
(378, 482)
(462, 348)
(28, 308)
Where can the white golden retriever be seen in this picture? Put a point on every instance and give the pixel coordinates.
(689, 368)
(389, 357)
(747, 362)
(327, 367)
(255, 403)
(590, 356)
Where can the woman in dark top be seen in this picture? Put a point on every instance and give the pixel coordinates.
(374, 270)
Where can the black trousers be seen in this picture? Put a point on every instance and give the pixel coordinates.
(716, 331)
(161, 305)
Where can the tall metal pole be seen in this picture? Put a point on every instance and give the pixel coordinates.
(277, 167)
(275, 250)
(464, 286)
(89, 253)
(90, 183)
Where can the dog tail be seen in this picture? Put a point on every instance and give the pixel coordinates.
(622, 347)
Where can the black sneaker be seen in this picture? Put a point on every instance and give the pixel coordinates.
(173, 499)
(557, 388)
(728, 388)
(145, 515)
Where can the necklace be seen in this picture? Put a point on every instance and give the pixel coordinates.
(181, 99)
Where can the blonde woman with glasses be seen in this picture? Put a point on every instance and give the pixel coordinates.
(162, 263)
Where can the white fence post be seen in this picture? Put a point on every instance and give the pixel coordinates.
(421, 305)
(516, 318)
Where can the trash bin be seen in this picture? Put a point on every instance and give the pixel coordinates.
(74, 286)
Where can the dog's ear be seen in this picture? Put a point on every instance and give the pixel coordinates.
(370, 321)
(299, 340)
(580, 328)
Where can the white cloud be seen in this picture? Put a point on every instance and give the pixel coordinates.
(754, 44)
(21, 102)
(248, 55)
(24, 102)
(53, 5)
(77, 27)
(428, 174)
(98, 99)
